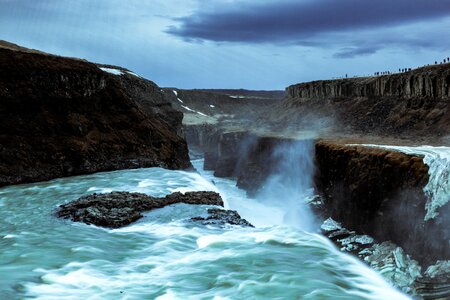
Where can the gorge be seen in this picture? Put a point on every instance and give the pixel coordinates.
(338, 161)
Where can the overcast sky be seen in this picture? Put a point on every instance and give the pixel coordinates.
(254, 44)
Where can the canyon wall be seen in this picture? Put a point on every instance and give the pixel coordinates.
(426, 82)
(63, 117)
(379, 192)
(412, 105)
(373, 191)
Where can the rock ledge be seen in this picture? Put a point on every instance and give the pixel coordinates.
(119, 209)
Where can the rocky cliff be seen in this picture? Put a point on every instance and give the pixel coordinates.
(374, 192)
(426, 82)
(380, 192)
(412, 104)
(62, 117)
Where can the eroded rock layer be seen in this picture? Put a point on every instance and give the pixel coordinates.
(410, 105)
(374, 191)
(380, 192)
(62, 117)
(427, 82)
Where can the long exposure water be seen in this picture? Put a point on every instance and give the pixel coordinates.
(165, 255)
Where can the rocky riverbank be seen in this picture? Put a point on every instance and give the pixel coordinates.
(377, 193)
(63, 117)
(389, 259)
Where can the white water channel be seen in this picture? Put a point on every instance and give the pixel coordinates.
(165, 255)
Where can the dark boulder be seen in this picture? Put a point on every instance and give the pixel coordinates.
(222, 217)
(119, 209)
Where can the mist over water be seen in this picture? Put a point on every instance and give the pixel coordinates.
(291, 183)
(165, 255)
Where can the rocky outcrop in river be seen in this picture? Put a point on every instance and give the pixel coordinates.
(222, 217)
(62, 117)
(119, 209)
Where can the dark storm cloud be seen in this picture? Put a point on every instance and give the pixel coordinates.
(350, 52)
(298, 21)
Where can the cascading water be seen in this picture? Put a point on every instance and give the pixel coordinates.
(165, 255)
(438, 161)
(290, 183)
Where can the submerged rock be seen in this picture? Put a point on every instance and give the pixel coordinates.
(222, 217)
(119, 209)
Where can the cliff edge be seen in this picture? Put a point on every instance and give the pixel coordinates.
(62, 117)
(407, 105)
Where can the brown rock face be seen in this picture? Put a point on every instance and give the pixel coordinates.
(427, 82)
(62, 117)
(372, 191)
(380, 193)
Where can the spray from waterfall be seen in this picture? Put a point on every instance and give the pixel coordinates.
(291, 182)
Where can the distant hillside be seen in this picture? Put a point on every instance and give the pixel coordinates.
(246, 93)
(213, 106)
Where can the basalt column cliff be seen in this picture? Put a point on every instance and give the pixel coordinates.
(410, 105)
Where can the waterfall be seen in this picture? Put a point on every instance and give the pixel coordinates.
(437, 189)
(291, 183)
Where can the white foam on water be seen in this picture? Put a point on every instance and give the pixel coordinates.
(223, 264)
(10, 236)
(197, 183)
(87, 249)
(438, 161)
(147, 183)
(207, 240)
(166, 255)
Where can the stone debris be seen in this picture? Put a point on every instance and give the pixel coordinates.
(393, 263)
